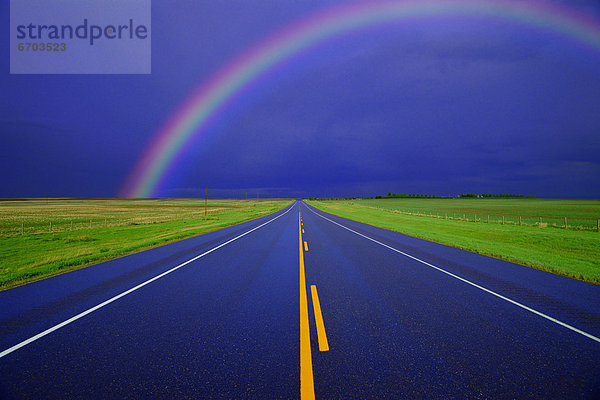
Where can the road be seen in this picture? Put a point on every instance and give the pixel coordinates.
(300, 304)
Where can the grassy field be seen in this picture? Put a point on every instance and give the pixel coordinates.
(573, 252)
(41, 238)
(581, 214)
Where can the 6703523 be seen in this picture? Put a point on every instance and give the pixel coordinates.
(48, 46)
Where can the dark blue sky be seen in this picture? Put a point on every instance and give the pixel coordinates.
(438, 106)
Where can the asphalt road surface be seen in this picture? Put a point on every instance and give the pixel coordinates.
(300, 304)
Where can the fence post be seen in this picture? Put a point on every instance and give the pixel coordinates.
(519, 220)
(22, 228)
(475, 219)
(488, 219)
(540, 221)
(503, 220)
(565, 222)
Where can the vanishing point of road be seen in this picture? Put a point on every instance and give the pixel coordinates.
(301, 304)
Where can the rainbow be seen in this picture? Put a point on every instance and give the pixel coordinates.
(212, 97)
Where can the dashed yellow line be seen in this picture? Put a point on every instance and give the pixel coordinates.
(323, 345)
(305, 246)
(307, 386)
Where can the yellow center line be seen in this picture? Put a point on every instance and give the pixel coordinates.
(307, 386)
(323, 345)
(305, 246)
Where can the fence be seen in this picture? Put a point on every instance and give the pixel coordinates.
(41, 226)
(572, 223)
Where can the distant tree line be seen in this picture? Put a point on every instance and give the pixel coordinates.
(391, 195)
(497, 196)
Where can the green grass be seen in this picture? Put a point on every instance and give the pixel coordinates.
(118, 227)
(569, 252)
(581, 214)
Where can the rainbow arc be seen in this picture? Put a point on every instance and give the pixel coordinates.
(195, 114)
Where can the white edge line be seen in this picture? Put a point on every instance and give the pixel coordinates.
(133, 289)
(469, 282)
